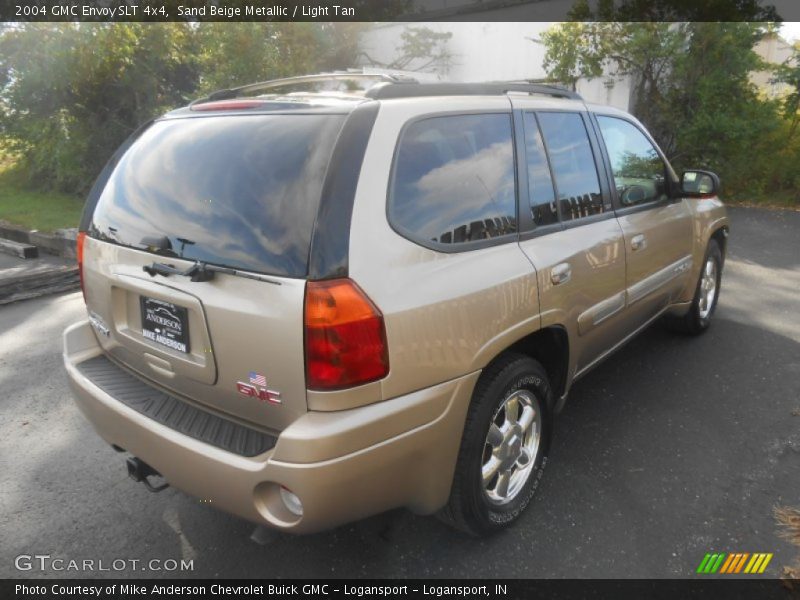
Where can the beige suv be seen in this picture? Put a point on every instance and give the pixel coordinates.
(308, 304)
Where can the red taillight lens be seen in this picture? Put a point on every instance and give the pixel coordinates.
(345, 336)
(79, 252)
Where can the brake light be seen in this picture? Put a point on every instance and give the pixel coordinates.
(345, 336)
(79, 252)
(228, 105)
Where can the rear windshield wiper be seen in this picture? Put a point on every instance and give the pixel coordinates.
(201, 271)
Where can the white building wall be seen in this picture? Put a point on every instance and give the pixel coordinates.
(774, 50)
(484, 51)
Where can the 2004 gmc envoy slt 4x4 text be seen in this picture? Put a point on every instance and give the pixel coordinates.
(309, 305)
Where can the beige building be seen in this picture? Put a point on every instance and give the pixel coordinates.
(775, 50)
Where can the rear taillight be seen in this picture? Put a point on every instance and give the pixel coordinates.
(79, 253)
(345, 336)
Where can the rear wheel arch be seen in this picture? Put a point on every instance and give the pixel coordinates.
(550, 347)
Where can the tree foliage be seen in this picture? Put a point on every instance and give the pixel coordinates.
(788, 73)
(672, 11)
(71, 93)
(691, 87)
(238, 53)
(420, 48)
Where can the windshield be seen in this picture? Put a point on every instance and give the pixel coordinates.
(238, 191)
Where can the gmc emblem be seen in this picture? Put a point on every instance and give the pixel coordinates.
(262, 394)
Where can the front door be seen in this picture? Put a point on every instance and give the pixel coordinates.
(657, 228)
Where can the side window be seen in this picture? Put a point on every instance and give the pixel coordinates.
(573, 164)
(454, 179)
(540, 185)
(639, 172)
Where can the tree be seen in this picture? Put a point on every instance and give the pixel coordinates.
(235, 54)
(673, 11)
(70, 93)
(788, 73)
(643, 51)
(690, 86)
(420, 48)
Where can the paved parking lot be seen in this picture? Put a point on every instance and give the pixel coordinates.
(673, 448)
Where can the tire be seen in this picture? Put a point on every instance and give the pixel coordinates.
(517, 450)
(698, 319)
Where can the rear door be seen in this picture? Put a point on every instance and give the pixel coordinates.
(239, 192)
(572, 237)
(657, 228)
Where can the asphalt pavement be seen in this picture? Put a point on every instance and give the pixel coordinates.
(672, 448)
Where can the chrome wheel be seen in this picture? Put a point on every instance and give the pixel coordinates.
(708, 288)
(511, 447)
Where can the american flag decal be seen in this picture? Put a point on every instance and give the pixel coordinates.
(258, 379)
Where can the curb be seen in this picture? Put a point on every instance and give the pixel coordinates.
(59, 243)
(33, 285)
(42, 277)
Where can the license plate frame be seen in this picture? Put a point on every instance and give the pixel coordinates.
(165, 323)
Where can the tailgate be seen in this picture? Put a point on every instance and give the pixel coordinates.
(238, 193)
(242, 339)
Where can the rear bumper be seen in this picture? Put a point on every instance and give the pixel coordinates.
(343, 465)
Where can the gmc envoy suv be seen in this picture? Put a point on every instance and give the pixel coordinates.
(307, 304)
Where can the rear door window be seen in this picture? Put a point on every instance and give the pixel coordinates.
(454, 179)
(540, 184)
(573, 164)
(237, 191)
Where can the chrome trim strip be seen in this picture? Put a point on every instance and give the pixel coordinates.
(594, 315)
(651, 283)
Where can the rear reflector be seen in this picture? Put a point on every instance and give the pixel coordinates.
(228, 105)
(79, 254)
(345, 336)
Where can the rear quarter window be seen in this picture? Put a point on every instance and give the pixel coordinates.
(454, 180)
(239, 191)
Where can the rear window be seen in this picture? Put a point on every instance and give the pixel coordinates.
(237, 191)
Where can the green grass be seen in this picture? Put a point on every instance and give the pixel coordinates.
(777, 200)
(33, 209)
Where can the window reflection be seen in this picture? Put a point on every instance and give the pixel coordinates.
(454, 179)
(540, 185)
(639, 172)
(236, 191)
(573, 165)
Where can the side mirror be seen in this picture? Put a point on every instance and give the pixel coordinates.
(699, 184)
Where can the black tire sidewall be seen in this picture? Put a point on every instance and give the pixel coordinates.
(701, 323)
(523, 374)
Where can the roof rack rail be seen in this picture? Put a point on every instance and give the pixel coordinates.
(227, 94)
(493, 88)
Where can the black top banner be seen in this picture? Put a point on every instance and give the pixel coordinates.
(117, 11)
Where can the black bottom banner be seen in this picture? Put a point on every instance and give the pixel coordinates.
(416, 589)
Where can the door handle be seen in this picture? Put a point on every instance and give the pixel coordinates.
(561, 273)
(638, 242)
